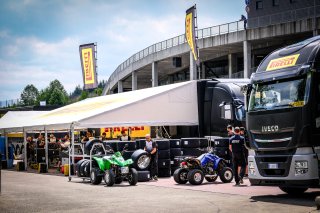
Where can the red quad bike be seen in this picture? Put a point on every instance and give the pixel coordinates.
(208, 166)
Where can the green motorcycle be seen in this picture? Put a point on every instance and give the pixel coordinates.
(113, 169)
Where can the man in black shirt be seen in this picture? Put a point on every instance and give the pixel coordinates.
(238, 159)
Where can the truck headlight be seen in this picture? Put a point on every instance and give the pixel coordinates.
(301, 167)
(252, 170)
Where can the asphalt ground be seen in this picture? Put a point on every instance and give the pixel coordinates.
(31, 192)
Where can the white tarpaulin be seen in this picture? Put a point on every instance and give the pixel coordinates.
(174, 104)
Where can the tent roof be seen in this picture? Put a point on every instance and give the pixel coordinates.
(174, 104)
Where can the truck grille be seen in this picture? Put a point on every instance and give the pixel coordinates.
(272, 140)
(282, 165)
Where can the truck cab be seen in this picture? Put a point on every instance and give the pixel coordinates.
(283, 118)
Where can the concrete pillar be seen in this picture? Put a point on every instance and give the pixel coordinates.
(247, 59)
(203, 71)
(155, 74)
(120, 86)
(232, 64)
(193, 68)
(134, 80)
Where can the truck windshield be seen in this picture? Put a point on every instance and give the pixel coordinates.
(276, 95)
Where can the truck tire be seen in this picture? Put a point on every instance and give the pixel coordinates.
(221, 142)
(95, 177)
(78, 166)
(180, 176)
(143, 176)
(141, 160)
(109, 177)
(97, 150)
(293, 190)
(164, 163)
(226, 175)
(195, 177)
(190, 143)
(83, 168)
(164, 154)
(191, 152)
(121, 144)
(175, 152)
(164, 172)
(163, 144)
(175, 143)
(133, 177)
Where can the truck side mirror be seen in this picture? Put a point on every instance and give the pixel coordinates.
(226, 111)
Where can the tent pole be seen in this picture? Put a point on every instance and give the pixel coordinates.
(72, 145)
(25, 149)
(6, 144)
(46, 146)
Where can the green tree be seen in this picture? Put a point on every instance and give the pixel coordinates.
(84, 95)
(98, 91)
(54, 94)
(29, 95)
(57, 97)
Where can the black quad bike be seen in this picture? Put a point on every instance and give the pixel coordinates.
(208, 166)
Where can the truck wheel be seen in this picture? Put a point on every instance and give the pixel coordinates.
(180, 176)
(195, 177)
(226, 175)
(141, 160)
(94, 176)
(293, 190)
(212, 179)
(109, 177)
(133, 177)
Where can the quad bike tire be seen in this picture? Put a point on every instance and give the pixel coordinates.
(211, 179)
(95, 177)
(141, 160)
(195, 177)
(109, 177)
(180, 176)
(133, 176)
(226, 175)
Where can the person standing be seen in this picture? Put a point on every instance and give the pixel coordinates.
(230, 130)
(152, 148)
(236, 144)
(124, 136)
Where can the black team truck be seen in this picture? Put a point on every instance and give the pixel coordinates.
(283, 118)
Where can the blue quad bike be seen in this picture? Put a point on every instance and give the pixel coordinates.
(208, 166)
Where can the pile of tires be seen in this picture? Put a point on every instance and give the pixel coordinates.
(141, 162)
(194, 146)
(164, 162)
(130, 148)
(175, 152)
(83, 167)
(221, 149)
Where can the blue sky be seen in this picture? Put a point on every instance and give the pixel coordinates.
(39, 39)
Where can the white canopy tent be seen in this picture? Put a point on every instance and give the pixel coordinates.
(174, 104)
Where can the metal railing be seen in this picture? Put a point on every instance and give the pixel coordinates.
(284, 17)
(175, 41)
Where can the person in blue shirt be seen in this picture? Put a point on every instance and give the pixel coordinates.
(236, 145)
